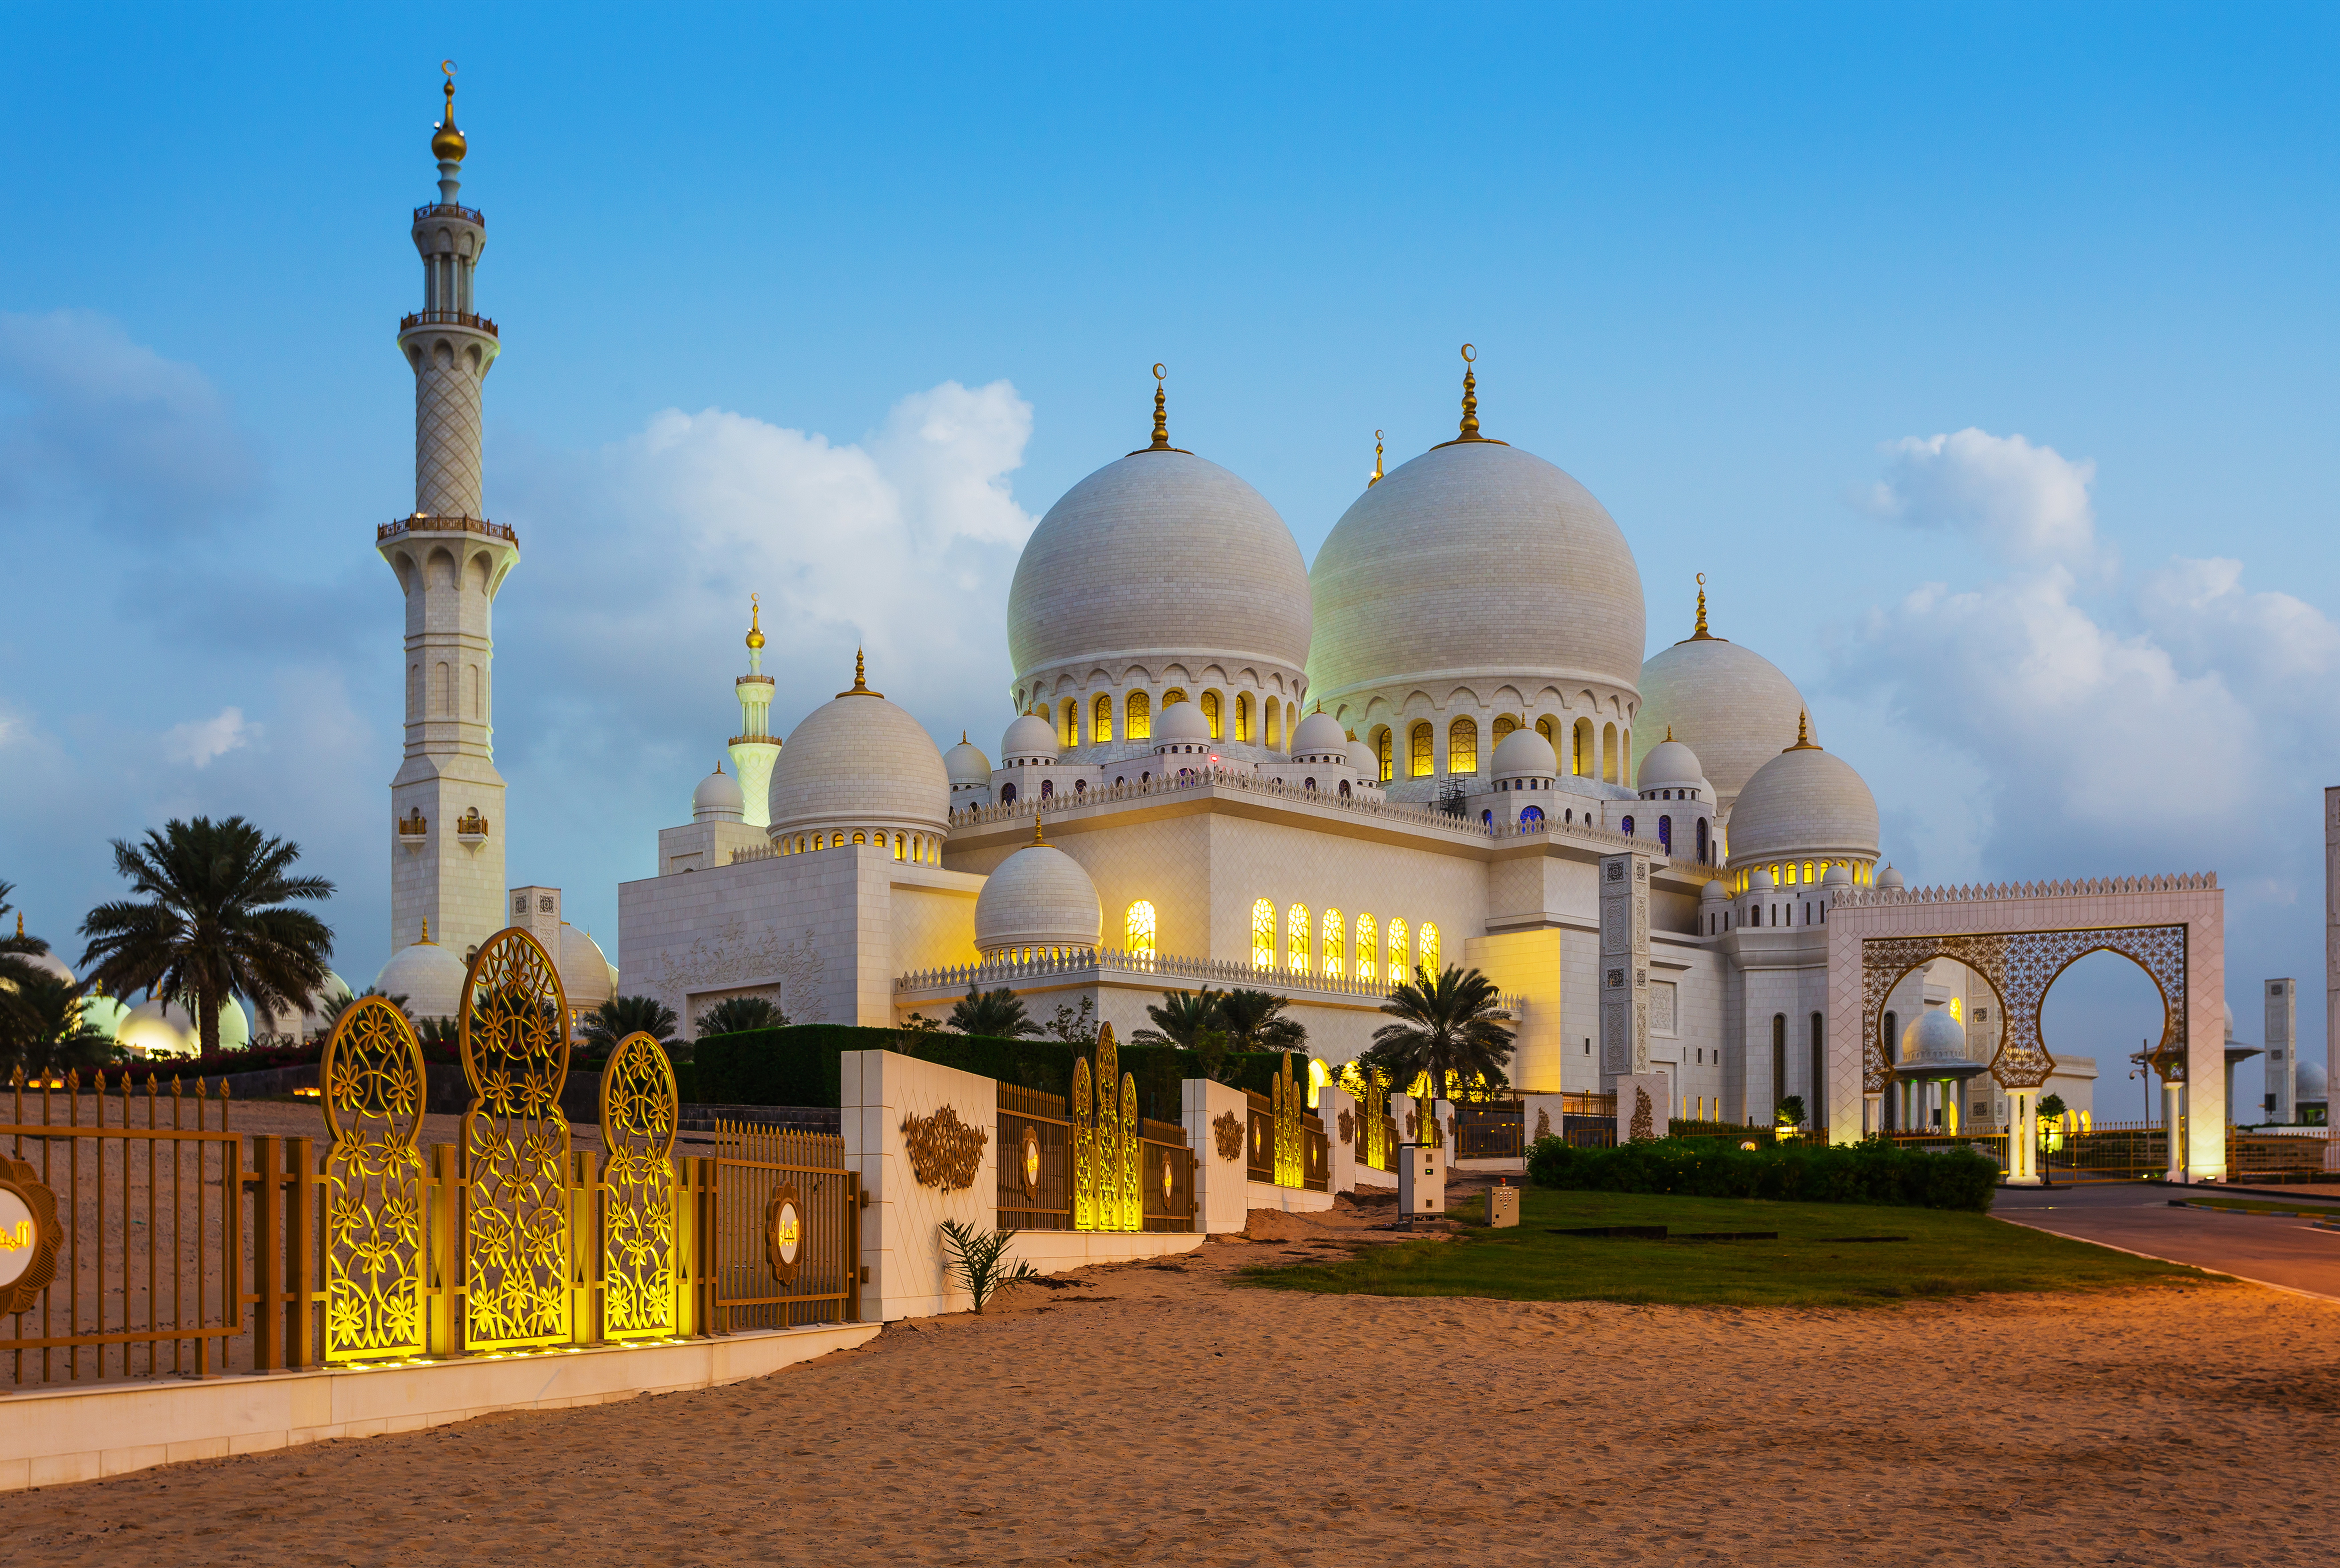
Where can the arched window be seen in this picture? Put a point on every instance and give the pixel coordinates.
(1532, 818)
(1400, 962)
(1007, 794)
(1778, 1061)
(1666, 833)
(1808, 869)
(1581, 758)
(1384, 741)
(1080, 786)
(1243, 717)
(1368, 966)
(1176, 694)
(1137, 929)
(1137, 718)
(1463, 746)
(860, 837)
(1068, 724)
(1274, 725)
(1544, 729)
(1101, 718)
(1505, 724)
(1336, 940)
(1702, 845)
(1344, 788)
(1211, 712)
(1486, 819)
(1609, 753)
(1429, 947)
(1629, 827)
(1420, 762)
(901, 847)
(1295, 938)
(1048, 788)
(1263, 935)
(1816, 1107)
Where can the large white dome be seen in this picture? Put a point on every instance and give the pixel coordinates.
(1727, 703)
(1481, 562)
(588, 978)
(1030, 738)
(1160, 555)
(1804, 801)
(1039, 898)
(858, 762)
(427, 976)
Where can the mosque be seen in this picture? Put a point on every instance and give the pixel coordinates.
(1227, 766)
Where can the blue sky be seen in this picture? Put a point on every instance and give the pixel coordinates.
(831, 304)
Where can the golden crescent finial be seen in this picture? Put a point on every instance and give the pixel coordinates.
(1161, 442)
(1470, 353)
(1157, 370)
(448, 67)
(1376, 477)
(447, 142)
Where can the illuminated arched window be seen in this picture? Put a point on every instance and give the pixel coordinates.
(1609, 753)
(1101, 719)
(1137, 718)
(1421, 763)
(1463, 746)
(1007, 794)
(1138, 930)
(1211, 712)
(1336, 939)
(1274, 725)
(1532, 818)
(901, 845)
(1400, 962)
(860, 837)
(1263, 935)
(1808, 869)
(1368, 966)
(1243, 717)
(1429, 947)
(1176, 694)
(1384, 743)
(1295, 938)
(1580, 758)
(1544, 727)
(1068, 724)
(1504, 725)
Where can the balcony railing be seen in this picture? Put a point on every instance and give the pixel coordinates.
(1098, 962)
(420, 522)
(447, 319)
(450, 210)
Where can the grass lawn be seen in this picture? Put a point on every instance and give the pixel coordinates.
(1814, 1262)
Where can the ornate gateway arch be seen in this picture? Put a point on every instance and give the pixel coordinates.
(2018, 938)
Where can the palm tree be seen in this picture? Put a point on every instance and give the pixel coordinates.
(614, 1019)
(215, 922)
(331, 1008)
(17, 971)
(44, 1031)
(1254, 1021)
(1181, 1018)
(1448, 1027)
(998, 1013)
(733, 1014)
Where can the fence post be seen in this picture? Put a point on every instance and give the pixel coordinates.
(447, 1250)
(300, 1254)
(711, 1248)
(853, 1246)
(268, 1249)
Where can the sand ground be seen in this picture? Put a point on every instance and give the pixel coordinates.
(1150, 1412)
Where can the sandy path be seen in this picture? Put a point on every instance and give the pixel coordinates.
(1150, 1413)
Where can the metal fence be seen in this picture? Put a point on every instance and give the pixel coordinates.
(1036, 1160)
(1489, 1129)
(1166, 1176)
(787, 1230)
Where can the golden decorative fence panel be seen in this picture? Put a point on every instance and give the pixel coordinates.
(1106, 1194)
(1259, 1147)
(514, 1021)
(638, 1110)
(372, 1079)
(1287, 1100)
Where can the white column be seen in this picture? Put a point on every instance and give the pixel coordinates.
(2023, 1137)
(2172, 1122)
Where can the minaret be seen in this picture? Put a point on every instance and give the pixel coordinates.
(447, 801)
(753, 749)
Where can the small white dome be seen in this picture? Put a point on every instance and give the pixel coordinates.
(1804, 801)
(1933, 1037)
(1670, 762)
(1319, 734)
(1837, 875)
(1525, 754)
(1182, 724)
(1039, 898)
(858, 761)
(1760, 881)
(2311, 1079)
(1368, 766)
(1889, 877)
(427, 976)
(1029, 736)
(717, 799)
(1712, 893)
(104, 1015)
(964, 763)
(147, 1032)
(586, 978)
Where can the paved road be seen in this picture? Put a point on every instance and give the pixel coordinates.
(2272, 1249)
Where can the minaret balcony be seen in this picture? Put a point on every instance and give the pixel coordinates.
(447, 319)
(771, 740)
(450, 210)
(421, 522)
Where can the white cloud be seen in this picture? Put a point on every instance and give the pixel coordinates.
(202, 742)
(2026, 503)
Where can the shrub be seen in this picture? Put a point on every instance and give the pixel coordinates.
(1873, 1171)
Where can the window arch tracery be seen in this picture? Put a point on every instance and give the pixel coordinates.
(1137, 929)
(1295, 940)
(1263, 935)
(1430, 948)
(1367, 967)
(1336, 945)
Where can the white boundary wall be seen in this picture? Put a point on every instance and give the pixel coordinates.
(1220, 1202)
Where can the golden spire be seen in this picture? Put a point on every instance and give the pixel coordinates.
(1377, 461)
(1670, 731)
(448, 147)
(20, 922)
(1804, 741)
(1161, 419)
(1470, 403)
(426, 934)
(1699, 633)
(860, 682)
(1038, 840)
(754, 621)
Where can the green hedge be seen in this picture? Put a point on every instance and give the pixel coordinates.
(798, 1065)
(1873, 1171)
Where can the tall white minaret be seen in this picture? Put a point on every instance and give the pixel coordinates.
(447, 801)
(753, 749)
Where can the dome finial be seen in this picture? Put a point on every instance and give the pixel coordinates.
(1470, 403)
(754, 621)
(1699, 633)
(1038, 841)
(1377, 461)
(1670, 731)
(860, 681)
(426, 933)
(448, 145)
(1161, 419)
(1803, 732)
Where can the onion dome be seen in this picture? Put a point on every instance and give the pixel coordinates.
(1759, 880)
(1031, 739)
(717, 799)
(1713, 892)
(1475, 563)
(966, 765)
(48, 963)
(1933, 1042)
(1181, 724)
(1804, 801)
(1838, 875)
(1671, 764)
(858, 762)
(1159, 556)
(1039, 898)
(1721, 697)
(1320, 735)
(427, 975)
(1525, 754)
(1889, 877)
(446, 143)
(1362, 757)
(145, 1031)
(587, 978)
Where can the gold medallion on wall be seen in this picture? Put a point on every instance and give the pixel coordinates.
(784, 1232)
(28, 1236)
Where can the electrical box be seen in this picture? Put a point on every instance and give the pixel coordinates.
(1421, 1181)
(1503, 1206)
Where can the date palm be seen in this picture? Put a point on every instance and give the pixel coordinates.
(998, 1013)
(1449, 1028)
(1181, 1019)
(734, 1015)
(214, 918)
(613, 1020)
(1254, 1021)
(19, 973)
